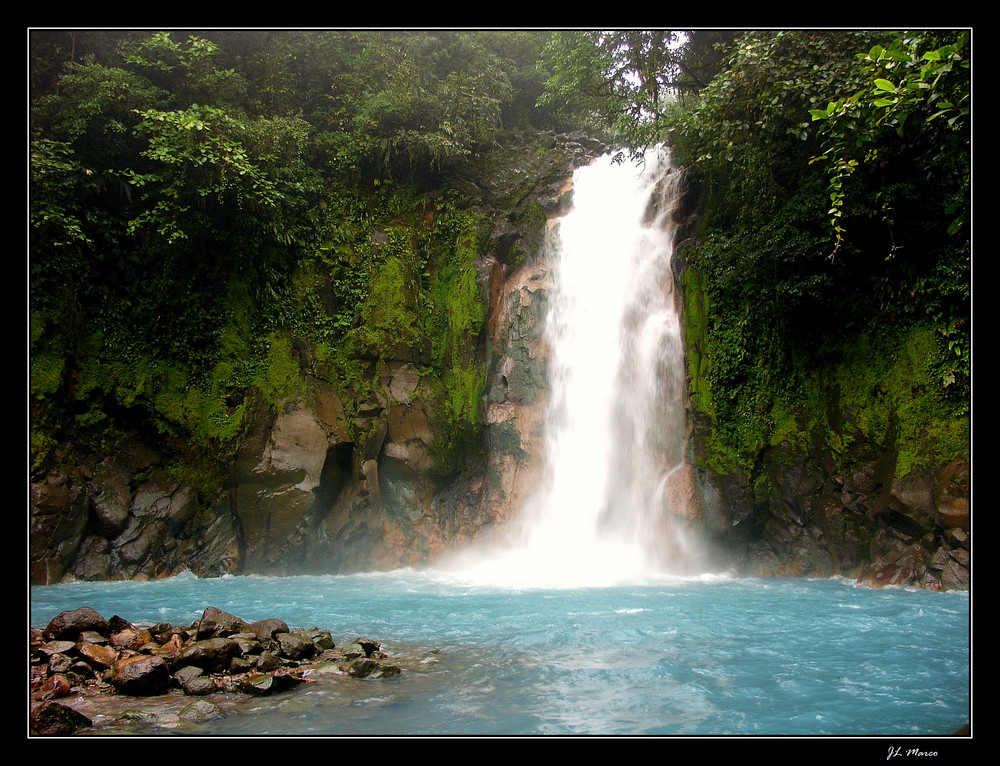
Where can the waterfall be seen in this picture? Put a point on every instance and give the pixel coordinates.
(615, 425)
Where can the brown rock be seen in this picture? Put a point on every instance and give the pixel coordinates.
(295, 646)
(54, 686)
(171, 648)
(215, 623)
(199, 686)
(117, 624)
(141, 675)
(55, 719)
(69, 625)
(81, 672)
(110, 500)
(262, 684)
(60, 663)
(267, 629)
(93, 637)
(131, 638)
(268, 661)
(51, 648)
(368, 668)
(213, 655)
(361, 647)
(97, 655)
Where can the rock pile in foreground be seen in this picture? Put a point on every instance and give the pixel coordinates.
(80, 652)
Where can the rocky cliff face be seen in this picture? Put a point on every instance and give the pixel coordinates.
(99, 522)
(805, 516)
(341, 479)
(821, 509)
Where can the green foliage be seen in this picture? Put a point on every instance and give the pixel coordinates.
(429, 99)
(883, 391)
(456, 290)
(95, 110)
(188, 71)
(621, 82)
(913, 113)
(889, 394)
(459, 299)
(786, 346)
(54, 217)
(204, 207)
(388, 317)
(913, 83)
(751, 121)
(282, 377)
(47, 370)
(696, 313)
(200, 160)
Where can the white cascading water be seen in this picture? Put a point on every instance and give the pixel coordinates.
(615, 426)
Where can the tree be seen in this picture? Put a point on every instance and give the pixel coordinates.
(188, 71)
(887, 114)
(912, 83)
(621, 81)
(426, 100)
(198, 162)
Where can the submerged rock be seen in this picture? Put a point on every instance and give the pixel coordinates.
(201, 710)
(261, 684)
(55, 719)
(366, 667)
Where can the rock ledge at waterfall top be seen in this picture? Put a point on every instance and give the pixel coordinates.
(90, 674)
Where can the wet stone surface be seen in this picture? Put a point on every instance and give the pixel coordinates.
(92, 676)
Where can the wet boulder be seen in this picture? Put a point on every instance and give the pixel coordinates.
(201, 710)
(213, 655)
(69, 625)
(267, 629)
(56, 685)
(131, 638)
(78, 653)
(216, 623)
(141, 675)
(263, 684)
(295, 646)
(322, 639)
(98, 656)
(361, 647)
(52, 648)
(55, 719)
(367, 667)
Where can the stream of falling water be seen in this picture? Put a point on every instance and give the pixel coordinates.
(615, 426)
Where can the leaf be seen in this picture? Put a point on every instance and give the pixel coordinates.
(885, 85)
